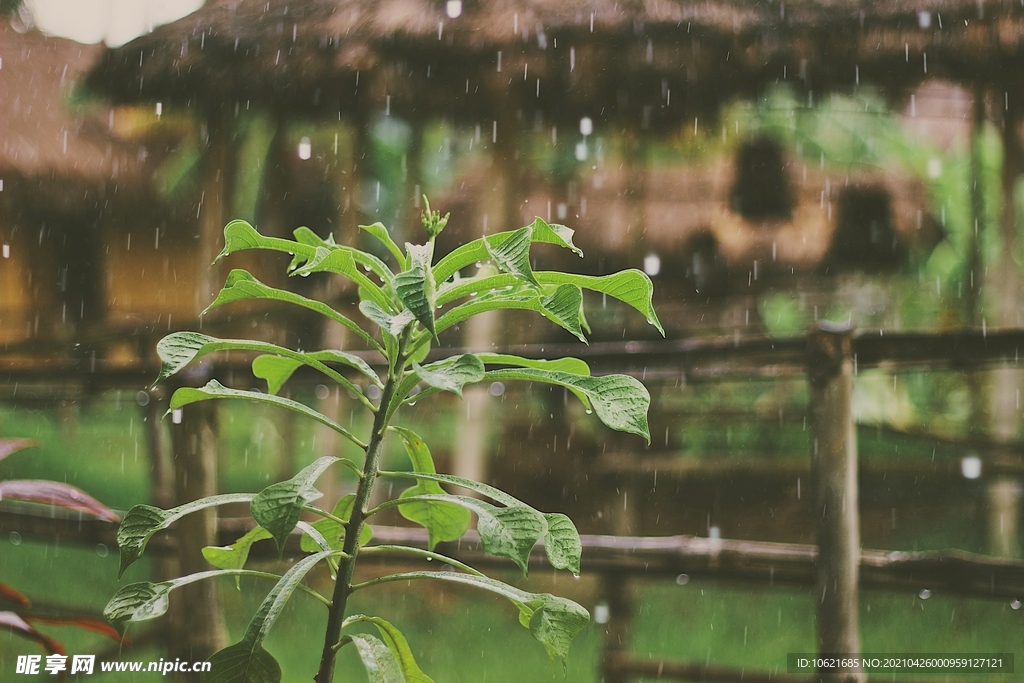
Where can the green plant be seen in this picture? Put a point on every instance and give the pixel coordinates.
(410, 309)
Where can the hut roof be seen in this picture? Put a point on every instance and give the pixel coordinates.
(310, 54)
(60, 151)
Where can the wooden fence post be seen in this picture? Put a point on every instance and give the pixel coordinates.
(614, 588)
(830, 371)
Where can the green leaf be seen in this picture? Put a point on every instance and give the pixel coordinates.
(415, 285)
(239, 235)
(399, 646)
(512, 255)
(380, 663)
(304, 235)
(234, 556)
(381, 233)
(451, 374)
(142, 521)
(144, 600)
(574, 366)
(562, 307)
(241, 286)
(552, 620)
(276, 370)
(215, 390)
(391, 324)
(474, 251)
(562, 543)
(509, 532)
(247, 661)
(621, 402)
(180, 348)
(443, 521)
(342, 261)
(243, 663)
(631, 287)
(333, 532)
(278, 507)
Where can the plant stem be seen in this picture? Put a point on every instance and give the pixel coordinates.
(346, 568)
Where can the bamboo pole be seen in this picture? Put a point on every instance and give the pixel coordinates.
(830, 371)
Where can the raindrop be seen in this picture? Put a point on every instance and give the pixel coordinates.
(453, 9)
(1015, 605)
(373, 392)
(305, 148)
(159, 109)
(602, 614)
(176, 416)
(102, 550)
(581, 151)
(683, 579)
(586, 126)
(970, 467)
(322, 392)
(924, 594)
(7, 251)
(142, 398)
(15, 538)
(652, 264)
(497, 389)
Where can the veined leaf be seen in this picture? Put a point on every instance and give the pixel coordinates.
(631, 287)
(367, 260)
(241, 286)
(415, 285)
(562, 542)
(621, 402)
(509, 532)
(474, 251)
(57, 494)
(552, 620)
(443, 521)
(180, 348)
(144, 600)
(215, 390)
(142, 521)
(559, 304)
(384, 237)
(573, 366)
(333, 532)
(342, 262)
(239, 235)
(380, 663)
(451, 374)
(512, 255)
(391, 324)
(304, 235)
(277, 508)
(399, 646)
(247, 661)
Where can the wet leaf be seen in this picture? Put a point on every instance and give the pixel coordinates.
(333, 532)
(631, 287)
(278, 507)
(142, 521)
(415, 285)
(384, 237)
(451, 374)
(512, 255)
(399, 646)
(234, 556)
(12, 446)
(621, 402)
(378, 660)
(562, 543)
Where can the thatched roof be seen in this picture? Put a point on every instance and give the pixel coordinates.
(56, 151)
(650, 62)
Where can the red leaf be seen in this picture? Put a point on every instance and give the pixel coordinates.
(85, 623)
(20, 627)
(9, 446)
(56, 493)
(17, 597)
